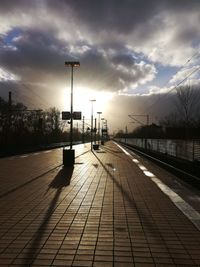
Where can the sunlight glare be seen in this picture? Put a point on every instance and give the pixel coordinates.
(82, 97)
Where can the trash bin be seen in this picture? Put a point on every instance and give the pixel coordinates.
(68, 157)
(95, 146)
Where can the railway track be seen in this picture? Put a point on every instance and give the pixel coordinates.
(174, 166)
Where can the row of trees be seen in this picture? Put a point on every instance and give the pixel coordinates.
(21, 127)
(187, 108)
(183, 122)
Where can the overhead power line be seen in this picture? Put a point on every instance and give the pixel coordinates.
(174, 87)
(9, 84)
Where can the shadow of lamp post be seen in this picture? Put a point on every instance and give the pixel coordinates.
(69, 155)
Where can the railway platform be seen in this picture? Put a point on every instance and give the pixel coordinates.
(112, 209)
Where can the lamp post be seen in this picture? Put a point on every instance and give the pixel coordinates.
(68, 157)
(102, 126)
(91, 137)
(106, 129)
(99, 113)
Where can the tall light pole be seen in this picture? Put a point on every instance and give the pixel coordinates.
(71, 64)
(102, 124)
(99, 113)
(71, 155)
(106, 129)
(91, 136)
(83, 130)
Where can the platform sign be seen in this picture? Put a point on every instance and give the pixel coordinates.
(66, 115)
(77, 115)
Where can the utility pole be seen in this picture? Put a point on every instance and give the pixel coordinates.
(83, 130)
(9, 113)
(147, 120)
(10, 99)
(95, 129)
(92, 130)
(99, 124)
(126, 132)
(9, 107)
(138, 121)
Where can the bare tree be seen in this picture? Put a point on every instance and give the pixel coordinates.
(188, 99)
(170, 120)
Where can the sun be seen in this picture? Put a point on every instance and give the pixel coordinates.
(82, 97)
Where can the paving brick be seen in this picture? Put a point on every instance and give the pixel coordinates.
(85, 252)
(42, 262)
(64, 257)
(110, 214)
(103, 258)
(102, 264)
(145, 264)
(81, 257)
(62, 262)
(82, 263)
(143, 260)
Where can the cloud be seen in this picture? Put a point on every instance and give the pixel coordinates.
(39, 55)
(7, 76)
(113, 15)
(154, 28)
(121, 45)
(121, 106)
(181, 75)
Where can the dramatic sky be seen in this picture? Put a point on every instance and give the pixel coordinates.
(132, 54)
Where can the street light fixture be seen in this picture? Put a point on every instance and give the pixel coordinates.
(68, 157)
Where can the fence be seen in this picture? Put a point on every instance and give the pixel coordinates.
(184, 149)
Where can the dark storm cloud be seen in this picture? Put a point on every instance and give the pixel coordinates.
(169, 26)
(122, 16)
(106, 16)
(37, 55)
(8, 5)
(113, 14)
(123, 59)
(34, 51)
(117, 43)
(55, 31)
(116, 72)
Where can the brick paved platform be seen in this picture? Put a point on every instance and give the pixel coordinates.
(104, 212)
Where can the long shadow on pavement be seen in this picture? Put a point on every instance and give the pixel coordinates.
(143, 217)
(110, 165)
(61, 180)
(113, 151)
(117, 153)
